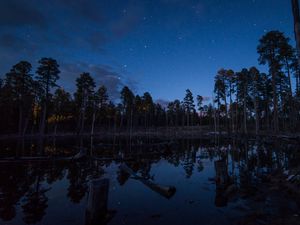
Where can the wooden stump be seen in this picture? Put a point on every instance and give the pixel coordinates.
(96, 211)
(222, 177)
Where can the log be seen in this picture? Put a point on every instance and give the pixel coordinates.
(222, 177)
(165, 191)
(96, 211)
(80, 155)
(32, 159)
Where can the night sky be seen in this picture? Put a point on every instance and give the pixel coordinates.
(160, 46)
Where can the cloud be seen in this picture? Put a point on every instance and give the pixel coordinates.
(206, 98)
(102, 74)
(164, 103)
(68, 30)
(11, 41)
(96, 41)
(90, 10)
(131, 17)
(75, 24)
(19, 13)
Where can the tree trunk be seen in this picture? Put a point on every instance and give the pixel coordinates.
(275, 102)
(231, 110)
(236, 115)
(297, 83)
(188, 118)
(256, 117)
(292, 108)
(20, 120)
(55, 128)
(82, 122)
(131, 116)
(25, 126)
(295, 8)
(245, 116)
(218, 118)
(43, 119)
(93, 122)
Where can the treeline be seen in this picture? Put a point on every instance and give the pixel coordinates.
(244, 101)
(35, 104)
(261, 101)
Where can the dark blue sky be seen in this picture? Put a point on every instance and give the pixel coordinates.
(161, 46)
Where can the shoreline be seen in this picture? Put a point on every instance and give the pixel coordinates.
(163, 133)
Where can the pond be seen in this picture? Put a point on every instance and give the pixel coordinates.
(177, 182)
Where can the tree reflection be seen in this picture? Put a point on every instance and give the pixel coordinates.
(78, 182)
(243, 163)
(13, 185)
(35, 205)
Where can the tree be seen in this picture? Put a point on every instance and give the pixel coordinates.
(295, 8)
(266, 97)
(100, 104)
(20, 82)
(220, 94)
(230, 80)
(128, 98)
(62, 104)
(84, 98)
(102, 97)
(255, 89)
(178, 111)
(243, 80)
(288, 59)
(222, 74)
(200, 106)
(47, 75)
(148, 108)
(189, 106)
(269, 50)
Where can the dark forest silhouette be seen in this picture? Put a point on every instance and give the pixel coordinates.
(244, 101)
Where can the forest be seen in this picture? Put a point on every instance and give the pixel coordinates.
(83, 155)
(245, 102)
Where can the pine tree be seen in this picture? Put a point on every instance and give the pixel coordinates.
(84, 98)
(243, 80)
(127, 99)
(189, 106)
(47, 75)
(270, 48)
(20, 82)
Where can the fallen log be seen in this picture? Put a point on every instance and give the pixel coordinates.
(165, 191)
(32, 159)
(80, 155)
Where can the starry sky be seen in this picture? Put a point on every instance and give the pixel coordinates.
(160, 46)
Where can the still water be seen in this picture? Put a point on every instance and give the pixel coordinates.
(180, 182)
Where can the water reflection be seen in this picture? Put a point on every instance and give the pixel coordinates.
(29, 187)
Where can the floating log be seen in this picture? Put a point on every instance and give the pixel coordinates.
(80, 155)
(32, 159)
(166, 191)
